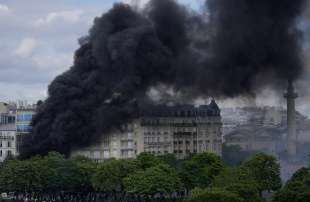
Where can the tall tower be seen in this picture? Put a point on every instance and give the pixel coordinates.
(290, 96)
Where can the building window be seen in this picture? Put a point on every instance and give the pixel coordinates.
(9, 153)
(23, 128)
(24, 117)
(0, 143)
(1, 153)
(9, 144)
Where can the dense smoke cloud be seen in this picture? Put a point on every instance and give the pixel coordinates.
(127, 53)
(254, 40)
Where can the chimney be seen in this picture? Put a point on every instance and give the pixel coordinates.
(291, 119)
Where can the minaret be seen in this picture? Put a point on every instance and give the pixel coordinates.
(290, 96)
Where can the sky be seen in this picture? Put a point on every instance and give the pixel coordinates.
(38, 40)
(39, 37)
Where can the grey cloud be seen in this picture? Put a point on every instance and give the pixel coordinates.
(56, 39)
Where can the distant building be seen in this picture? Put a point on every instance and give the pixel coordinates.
(24, 115)
(7, 130)
(263, 129)
(233, 118)
(7, 113)
(262, 139)
(7, 141)
(180, 130)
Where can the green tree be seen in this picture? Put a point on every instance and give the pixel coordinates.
(159, 179)
(214, 195)
(200, 170)
(170, 160)
(52, 173)
(238, 181)
(247, 191)
(7, 176)
(146, 160)
(19, 176)
(62, 173)
(297, 189)
(109, 175)
(86, 169)
(266, 172)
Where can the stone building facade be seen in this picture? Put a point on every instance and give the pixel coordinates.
(24, 115)
(7, 131)
(181, 130)
(7, 141)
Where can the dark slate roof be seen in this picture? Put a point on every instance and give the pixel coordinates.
(180, 110)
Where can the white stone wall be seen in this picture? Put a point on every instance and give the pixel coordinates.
(164, 136)
(7, 144)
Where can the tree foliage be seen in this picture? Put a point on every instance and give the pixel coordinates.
(240, 182)
(160, 179)
(146, 160)
(109, 175)
(266, 171)
(297, 189)
(204, 175)
(200, 170)
(51, 173)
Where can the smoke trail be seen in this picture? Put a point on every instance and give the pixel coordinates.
(128, 53)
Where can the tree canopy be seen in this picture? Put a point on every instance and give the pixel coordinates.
(200, 170)
(204, 175)
(297, 189)
(109, 175)
(160, 179)
(266, 171)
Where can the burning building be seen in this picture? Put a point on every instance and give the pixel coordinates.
(181, 130)
(235, 49)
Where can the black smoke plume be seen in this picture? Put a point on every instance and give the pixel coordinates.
(255, 39)
(219, 53)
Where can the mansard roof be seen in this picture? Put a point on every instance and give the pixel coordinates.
(180, 110)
